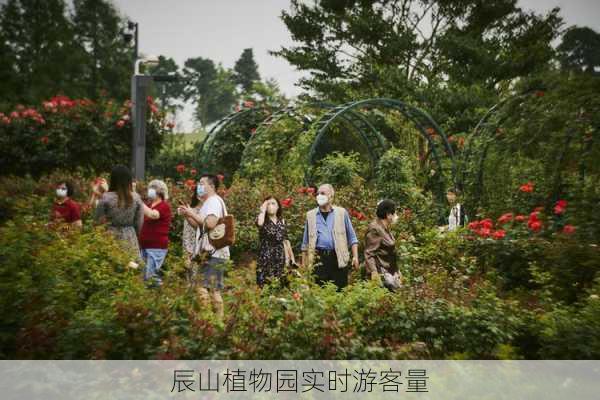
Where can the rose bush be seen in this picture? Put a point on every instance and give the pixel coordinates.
(509, 295)
(65, 133)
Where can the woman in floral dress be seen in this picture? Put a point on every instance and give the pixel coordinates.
(275, 251)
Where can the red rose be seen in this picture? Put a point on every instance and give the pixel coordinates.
(44, 139)
(505, 218)
(248, 103)
(120, 123)
(190, 183)
(527, 188)
(568, 229)
(473, 225)
(484, 232)
(520, 218)
(558, 210)
(297, 296)
(361, 217)
(539, 93)
(487, 223)
(180, 168)
(301, 190)
(14, 115)
(193, 171)
(562, 203)
(310, 190)
(430, 131)
(499, 234)
(534, 225)
(252, 131)
(220, 177)
(286, 203)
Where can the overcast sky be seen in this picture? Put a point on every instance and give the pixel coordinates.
(221, 29)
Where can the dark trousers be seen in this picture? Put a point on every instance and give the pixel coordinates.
(327, 270)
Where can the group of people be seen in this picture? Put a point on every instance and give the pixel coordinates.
(329, 241)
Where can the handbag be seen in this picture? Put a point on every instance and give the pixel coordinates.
(223, 234)
(391, 281)
(199, 254)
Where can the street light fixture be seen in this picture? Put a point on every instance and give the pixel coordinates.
(148, 60)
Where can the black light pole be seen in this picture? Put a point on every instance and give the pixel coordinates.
(140, 85)
(132, 27)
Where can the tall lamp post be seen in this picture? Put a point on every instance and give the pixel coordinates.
(140, 85)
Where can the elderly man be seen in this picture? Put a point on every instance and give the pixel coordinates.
(328, 233)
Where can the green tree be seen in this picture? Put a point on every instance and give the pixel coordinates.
(39, 56)
(246, 70)
(168, 94)
(210, 87)
(377, 48)
(269, 93)
(580, 50)
(108, 61)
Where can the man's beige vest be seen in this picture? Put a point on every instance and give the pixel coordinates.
(339, 235)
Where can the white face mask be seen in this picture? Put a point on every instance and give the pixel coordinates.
(322, 200)
(152, 193)
(272, 209)
(61, 192)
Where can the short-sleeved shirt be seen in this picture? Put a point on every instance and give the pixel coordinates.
(214, 205)
(155, 232)
(69, 211)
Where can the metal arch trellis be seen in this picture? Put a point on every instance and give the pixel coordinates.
(420, 118)
(358, 122)
(487, 132)
(482, 128)
(220, 126)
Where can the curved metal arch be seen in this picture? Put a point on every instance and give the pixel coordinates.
(482, 128)
(354, 120)
(221, 126)
(417, 116)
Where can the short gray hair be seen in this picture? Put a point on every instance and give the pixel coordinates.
(160, 187)
(330, 187)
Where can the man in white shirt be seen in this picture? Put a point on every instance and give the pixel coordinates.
(213, 208)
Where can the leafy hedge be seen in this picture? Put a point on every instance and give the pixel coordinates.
(71, 295)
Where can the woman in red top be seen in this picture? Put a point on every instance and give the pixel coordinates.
(154, 236)
(64, 208)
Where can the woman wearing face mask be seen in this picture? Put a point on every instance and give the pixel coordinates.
(154, 237)
(189, 231)
(64, 208)
(275, 250)
(380, 250)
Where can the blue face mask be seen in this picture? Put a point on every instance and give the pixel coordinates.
(200, 190)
